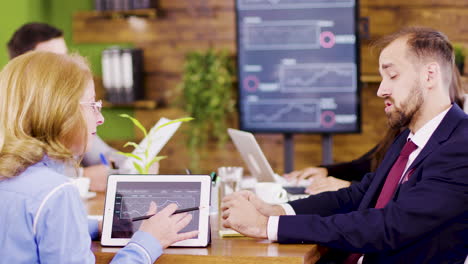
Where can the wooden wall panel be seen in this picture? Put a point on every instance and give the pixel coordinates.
(414, 3)
(190, 4)
(162, 88)
(175, 26)
(169, 57)
(186, 25)
(386, 20)
(307, 147)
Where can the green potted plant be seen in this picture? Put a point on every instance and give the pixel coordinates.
(208, 97)
(145, 161)
(459, 51)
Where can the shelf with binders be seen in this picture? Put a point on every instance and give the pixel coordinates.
(122, 75)
(101, 93)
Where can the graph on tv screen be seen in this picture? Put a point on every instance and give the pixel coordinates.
(298, 66)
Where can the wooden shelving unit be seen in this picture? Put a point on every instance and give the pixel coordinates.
(149, 13)
(139, 104)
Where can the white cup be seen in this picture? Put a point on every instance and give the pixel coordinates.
(82, 184)
(271, 192)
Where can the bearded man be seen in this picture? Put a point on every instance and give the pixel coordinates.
(413, 209)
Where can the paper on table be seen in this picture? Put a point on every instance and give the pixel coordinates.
(229, 233)
(159, 139)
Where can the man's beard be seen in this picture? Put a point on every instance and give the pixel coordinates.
(402, 116)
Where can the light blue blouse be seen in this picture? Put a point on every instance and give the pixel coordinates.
(43, 220)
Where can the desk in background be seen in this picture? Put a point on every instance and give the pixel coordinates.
(221, 250)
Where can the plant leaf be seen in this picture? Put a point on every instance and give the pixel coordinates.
(156, 159)
(138, 168)
(130, 155)
(133, 144)
(136, 123)
(183, 119)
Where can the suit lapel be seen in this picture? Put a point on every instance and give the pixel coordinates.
(441, 134)
(383, 170)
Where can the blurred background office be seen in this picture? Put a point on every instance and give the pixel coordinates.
(167, 31)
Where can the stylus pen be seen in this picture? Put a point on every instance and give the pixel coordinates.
(176, 212)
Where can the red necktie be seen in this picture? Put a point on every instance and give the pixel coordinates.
(391, 183)
(394, 176)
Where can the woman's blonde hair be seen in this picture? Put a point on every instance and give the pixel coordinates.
(40, 113)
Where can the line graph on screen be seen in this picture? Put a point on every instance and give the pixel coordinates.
(137, 206)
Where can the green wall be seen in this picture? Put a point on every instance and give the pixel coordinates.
(59, 13)
(12, 15)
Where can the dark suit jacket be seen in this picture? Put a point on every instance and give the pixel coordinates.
(425, 222)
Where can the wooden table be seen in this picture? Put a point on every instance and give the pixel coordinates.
(221, 250)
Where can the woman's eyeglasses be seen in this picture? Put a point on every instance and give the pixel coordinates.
(96, 106)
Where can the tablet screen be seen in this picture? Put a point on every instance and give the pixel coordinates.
(132, 199)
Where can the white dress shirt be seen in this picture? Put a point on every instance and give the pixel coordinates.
(420, 138)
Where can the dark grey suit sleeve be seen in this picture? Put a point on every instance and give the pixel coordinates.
(328, 203)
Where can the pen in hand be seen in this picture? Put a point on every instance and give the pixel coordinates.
(103, 159)
(139, 218)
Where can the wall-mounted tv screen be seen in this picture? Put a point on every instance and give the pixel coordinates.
(298, 66)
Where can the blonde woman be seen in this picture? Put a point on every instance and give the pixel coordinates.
(48, 115)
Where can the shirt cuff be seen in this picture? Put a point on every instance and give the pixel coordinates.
(93, 229)
(273, 222)
(150, 244)
(288, 209)
(272, 228)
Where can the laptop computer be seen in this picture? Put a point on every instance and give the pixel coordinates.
(257, 163)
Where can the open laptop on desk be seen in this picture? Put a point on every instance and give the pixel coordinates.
(258, 165)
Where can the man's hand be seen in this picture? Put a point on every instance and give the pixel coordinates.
(98, 176)
(327, 184)
(164, 226)
(264, 208)
(241, 215)
(307, 173)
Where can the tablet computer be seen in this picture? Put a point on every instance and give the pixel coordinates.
(129, 196)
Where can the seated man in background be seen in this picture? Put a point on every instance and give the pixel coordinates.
(43, 37)
(413, 208)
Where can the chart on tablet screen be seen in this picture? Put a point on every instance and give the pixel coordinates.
(133, 199)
